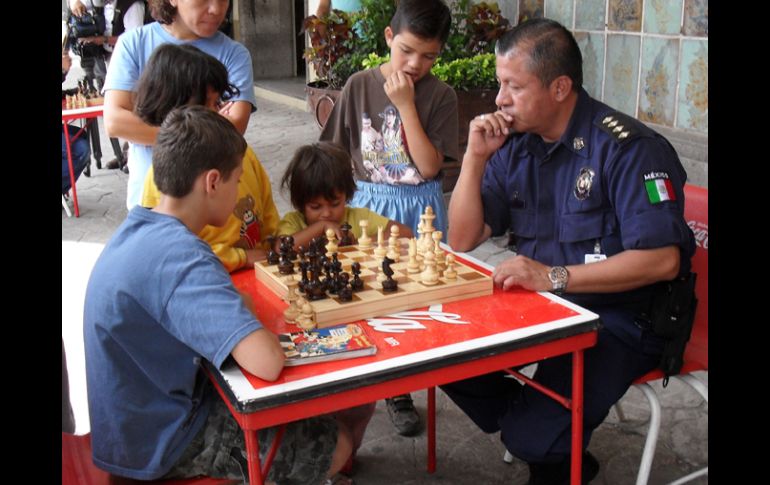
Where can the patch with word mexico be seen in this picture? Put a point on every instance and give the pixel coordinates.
(659, 187)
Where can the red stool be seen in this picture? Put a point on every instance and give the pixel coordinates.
(77, 468)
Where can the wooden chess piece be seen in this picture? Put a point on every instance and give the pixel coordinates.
(439, 253)
(380, 251)
(357, 284)
(306, 319)
(394, 249)
(346, 239)
(429, 276)
(449, 272)
(413, 266)
(345, 292)
(331, 246)
(364, 242)
(272, 256)
(389, 285)
(291, 313)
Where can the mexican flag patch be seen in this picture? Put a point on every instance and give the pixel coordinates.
(659, 187)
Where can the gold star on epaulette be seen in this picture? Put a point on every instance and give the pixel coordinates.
(621, 127)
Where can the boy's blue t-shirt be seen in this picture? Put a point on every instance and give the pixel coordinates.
(158, 300)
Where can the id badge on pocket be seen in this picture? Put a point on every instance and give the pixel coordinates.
(593, 258)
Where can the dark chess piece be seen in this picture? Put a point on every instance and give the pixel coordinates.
(389, 285)
(345, 293)
(357, 284)
(290, 243)
(286, 266)
(345, 240)
(272, 256)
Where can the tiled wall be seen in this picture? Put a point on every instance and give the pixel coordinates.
(647, 58)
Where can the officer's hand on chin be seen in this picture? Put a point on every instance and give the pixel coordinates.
(522, 271)
(487, 133)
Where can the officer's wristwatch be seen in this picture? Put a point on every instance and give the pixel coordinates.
(559, 277)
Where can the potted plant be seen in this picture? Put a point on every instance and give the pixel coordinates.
(331, 39)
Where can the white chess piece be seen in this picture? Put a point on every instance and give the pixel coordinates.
(306, 319)
(429, 276)
(437, 251)
(364, 242)
(413, 266)
(380, 251)
(331, 246)
(449, 272)
(394, 250)
(292, 312)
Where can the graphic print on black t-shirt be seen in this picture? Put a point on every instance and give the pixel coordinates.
(386, 155)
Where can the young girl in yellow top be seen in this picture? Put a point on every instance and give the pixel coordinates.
(320, 181)
(182, 74)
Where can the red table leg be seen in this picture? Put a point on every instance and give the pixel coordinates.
(72, 170)
(577, 417)
(252, 456)
(431, 429)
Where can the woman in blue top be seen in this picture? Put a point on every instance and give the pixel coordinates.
(179, 22)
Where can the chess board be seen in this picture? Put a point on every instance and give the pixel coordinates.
(372, 301)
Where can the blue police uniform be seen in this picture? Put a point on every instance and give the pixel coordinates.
(609, 184)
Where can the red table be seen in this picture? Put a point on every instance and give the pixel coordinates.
(504, 330)
(67, 117)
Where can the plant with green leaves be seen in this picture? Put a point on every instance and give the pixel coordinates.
(474, 29)
(370, 22)
(331, 39)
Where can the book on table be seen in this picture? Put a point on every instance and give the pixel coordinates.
(326, 344)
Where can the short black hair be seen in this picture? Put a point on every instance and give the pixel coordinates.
(176, 75)
(192, 140)
(322, 169)
(427, 19)
(552, 49)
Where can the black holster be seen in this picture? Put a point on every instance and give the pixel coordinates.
(671, 316)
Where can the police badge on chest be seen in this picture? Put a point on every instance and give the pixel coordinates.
(583, 183)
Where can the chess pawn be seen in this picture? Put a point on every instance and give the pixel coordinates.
(331, 246)
(292, 312)
(306, 319)
(380, 251)
(449, 272)
(439, 253)
(364, 242)
(429, 276)
(393, 247)
(413, 266)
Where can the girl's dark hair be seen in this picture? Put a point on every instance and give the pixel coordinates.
(321, 169)
(162, 11)
(177, 75)
(192, 140)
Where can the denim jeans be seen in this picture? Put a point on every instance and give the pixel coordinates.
(81, 156)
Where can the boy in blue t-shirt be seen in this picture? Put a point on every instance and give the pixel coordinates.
(158, 300)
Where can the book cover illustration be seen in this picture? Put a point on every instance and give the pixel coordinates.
(326, 344)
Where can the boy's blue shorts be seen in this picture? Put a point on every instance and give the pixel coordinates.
(404, 203)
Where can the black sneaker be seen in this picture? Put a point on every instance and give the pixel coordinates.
(112, 164)
(403, 414)
(558, 473)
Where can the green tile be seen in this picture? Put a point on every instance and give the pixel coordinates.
(696, 18)
(590, 14)
(592, 49)
(530, 9)
(693, 106)
(662, 16)
(560, 11)
(657, 97)
(625, 15)
(620, 78)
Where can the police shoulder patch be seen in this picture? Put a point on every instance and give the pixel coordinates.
(621, 127)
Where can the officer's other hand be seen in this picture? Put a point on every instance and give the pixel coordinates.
(522, 271)
(487, 133)
(77, 8)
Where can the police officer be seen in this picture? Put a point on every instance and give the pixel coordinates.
(593, 201)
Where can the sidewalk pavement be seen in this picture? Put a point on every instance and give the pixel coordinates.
(465, 455)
